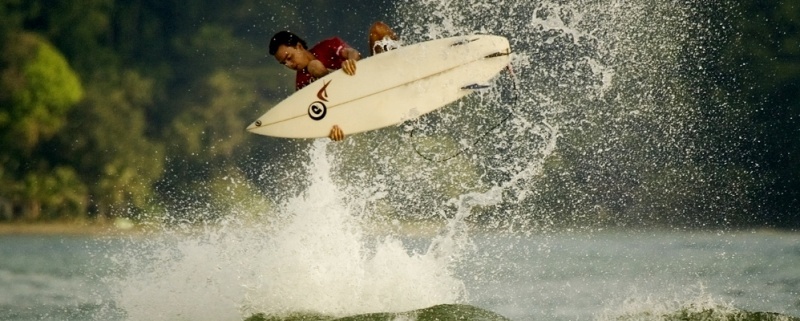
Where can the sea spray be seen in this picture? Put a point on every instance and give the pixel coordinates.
(322, 259)
(314, 255)
(618, 80)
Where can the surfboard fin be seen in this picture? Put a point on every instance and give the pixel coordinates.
(498, 54)
(475, 87)
(463, 42)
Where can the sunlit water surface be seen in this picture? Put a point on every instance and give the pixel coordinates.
(561, 276)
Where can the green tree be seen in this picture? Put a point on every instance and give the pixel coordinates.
(54, 193)
(208, 137)
(81, 29)
(106, 142)
(37, 89)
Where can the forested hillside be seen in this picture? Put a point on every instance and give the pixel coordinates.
(116, 108)
(110, 107)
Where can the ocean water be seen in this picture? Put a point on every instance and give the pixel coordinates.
(603, 275)
(316, 253)
(609, 274)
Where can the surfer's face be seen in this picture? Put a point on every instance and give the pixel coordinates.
(294, 58)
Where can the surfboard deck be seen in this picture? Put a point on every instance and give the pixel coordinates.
(388, 88)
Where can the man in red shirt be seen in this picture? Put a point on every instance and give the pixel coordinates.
(328, 55)
(311, 64)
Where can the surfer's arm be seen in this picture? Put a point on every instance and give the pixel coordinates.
(349, 65)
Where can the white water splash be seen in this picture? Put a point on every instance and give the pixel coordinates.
(316, 257)
(321, 257)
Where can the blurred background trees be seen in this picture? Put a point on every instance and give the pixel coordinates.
(110, 108)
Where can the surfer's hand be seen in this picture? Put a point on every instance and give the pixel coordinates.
(349, 66)
(336, 134)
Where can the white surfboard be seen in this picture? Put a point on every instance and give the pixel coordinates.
(388, 88)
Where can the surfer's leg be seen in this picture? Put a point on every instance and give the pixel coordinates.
(382, 38)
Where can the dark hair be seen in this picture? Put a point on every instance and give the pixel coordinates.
(284, 38)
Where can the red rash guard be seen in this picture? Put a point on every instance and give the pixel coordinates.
(329, 52)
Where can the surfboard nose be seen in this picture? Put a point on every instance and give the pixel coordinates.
(254, 125)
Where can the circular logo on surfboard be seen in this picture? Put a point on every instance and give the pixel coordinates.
(317, 110)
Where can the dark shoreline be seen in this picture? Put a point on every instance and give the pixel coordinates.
(426, 228)
(63, 228)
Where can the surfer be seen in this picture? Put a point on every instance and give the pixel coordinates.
(328, 55)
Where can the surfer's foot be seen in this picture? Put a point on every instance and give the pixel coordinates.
(384, 44)
(382, 38)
